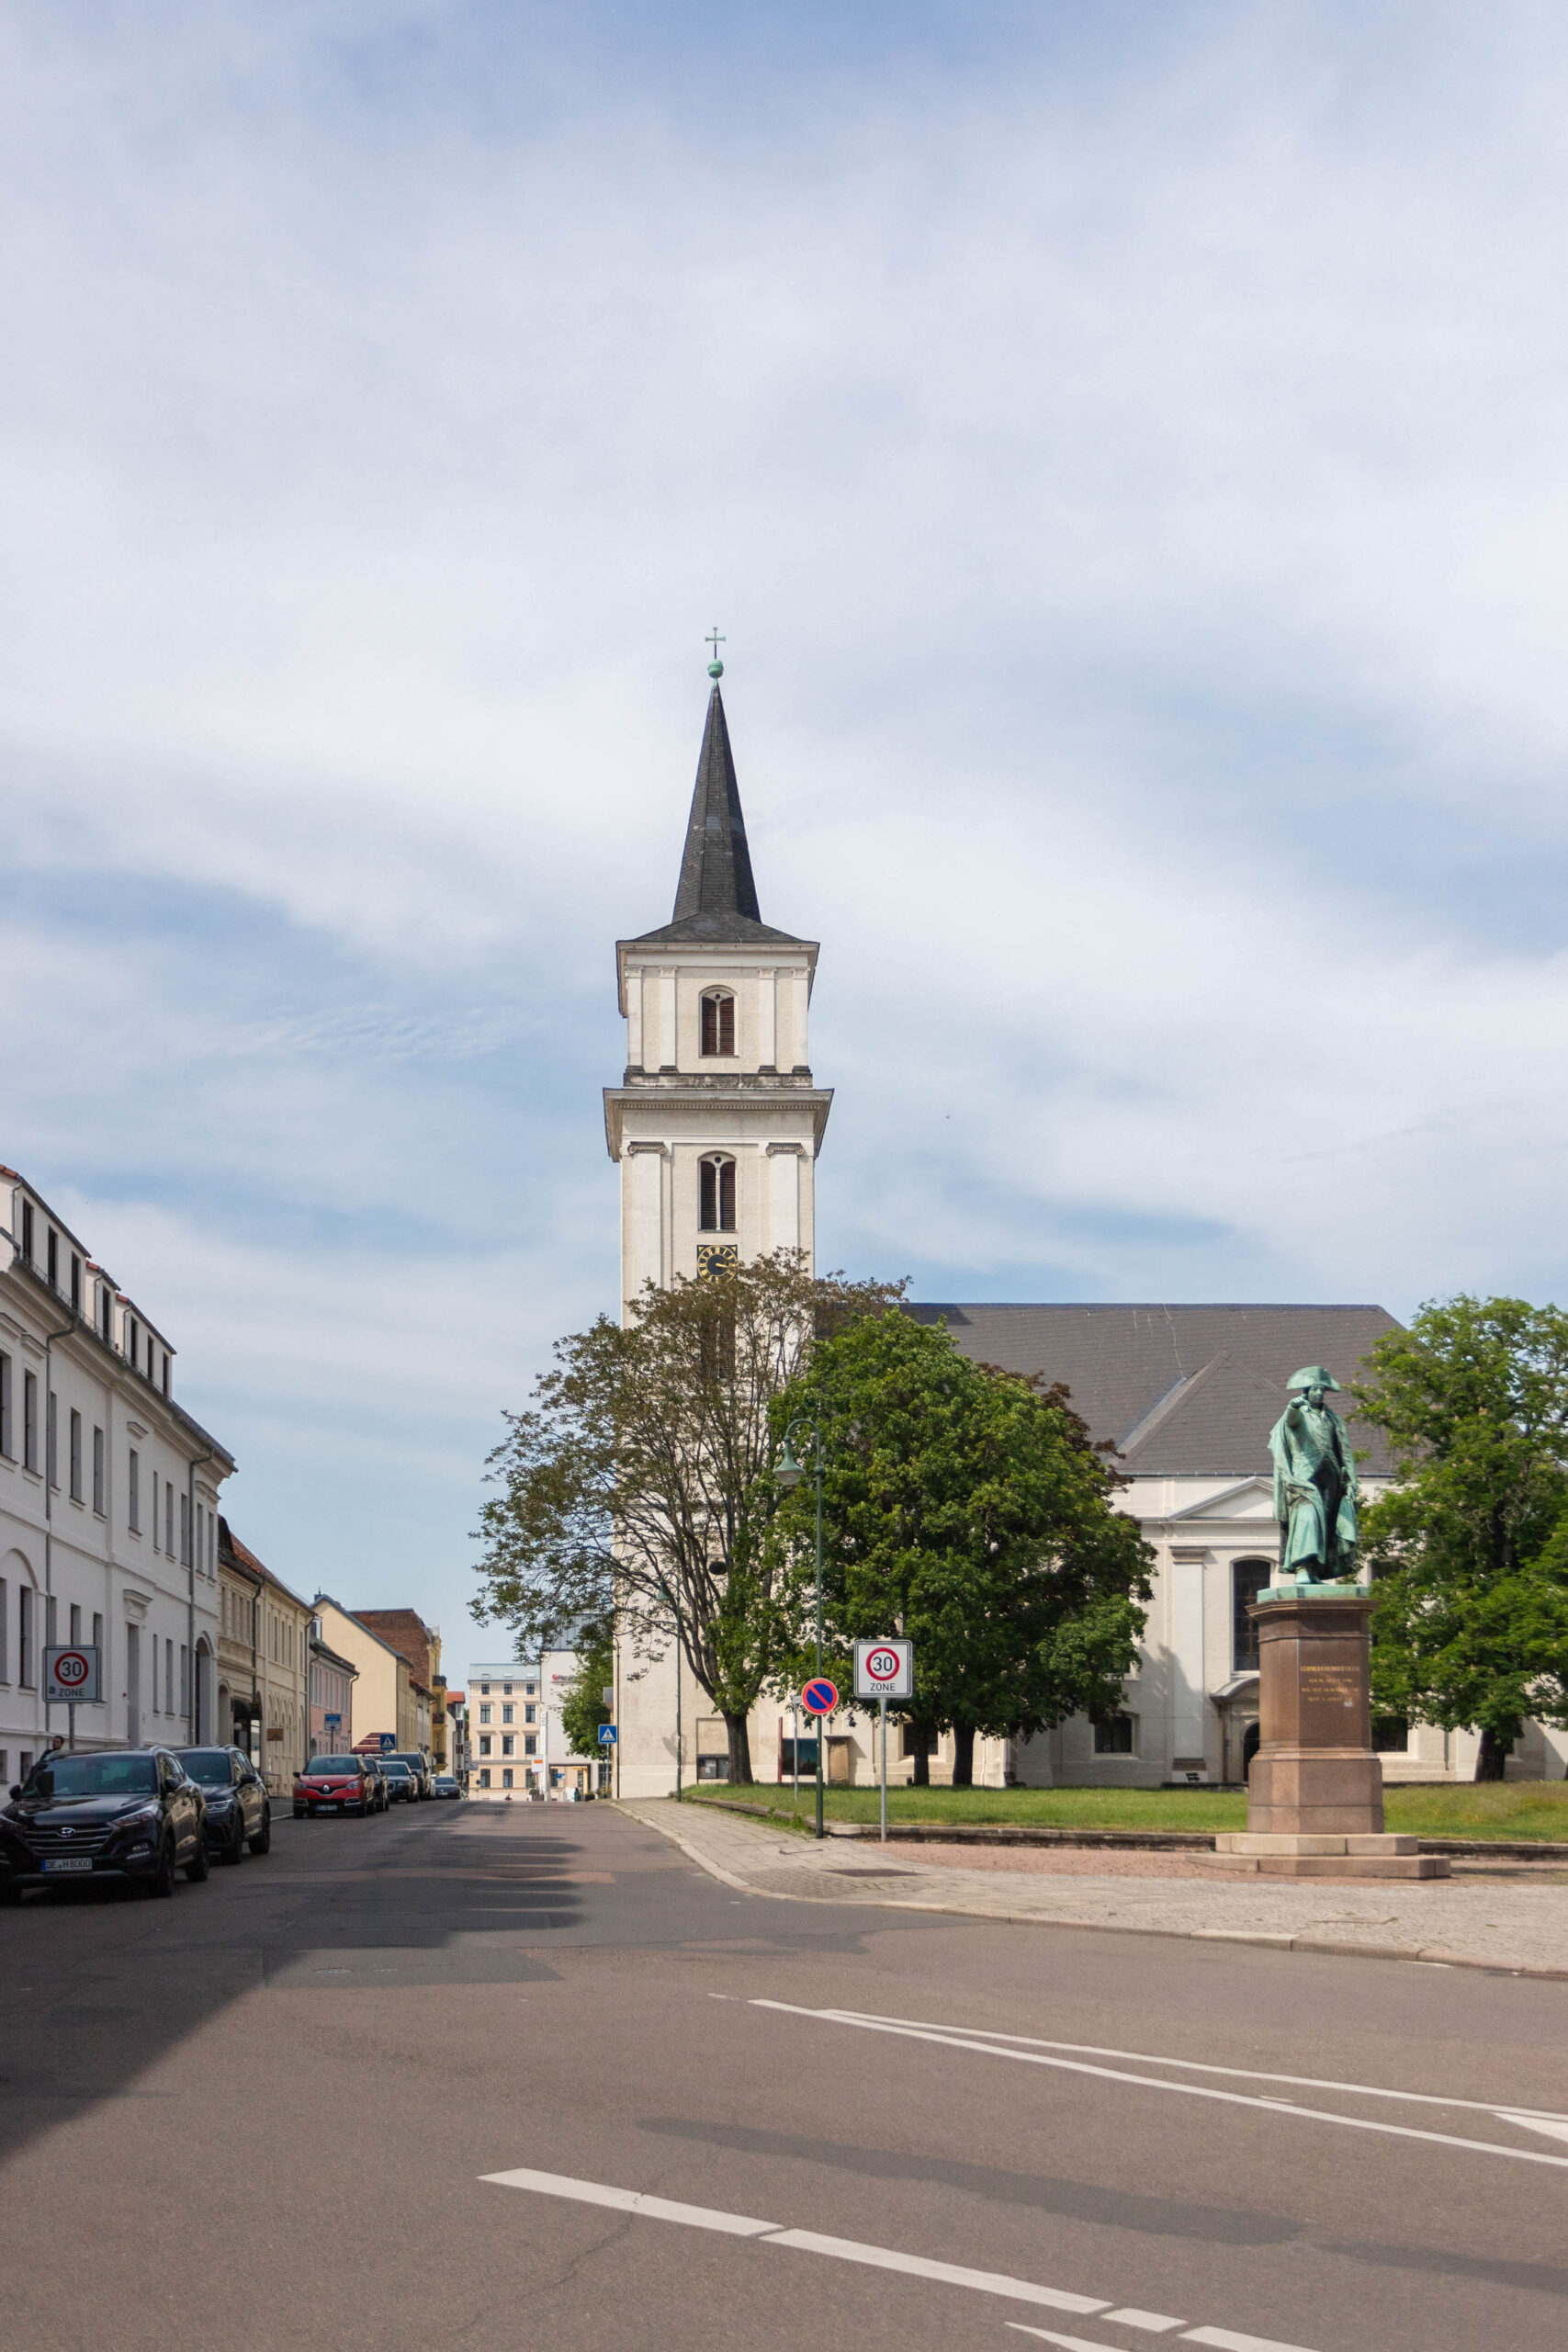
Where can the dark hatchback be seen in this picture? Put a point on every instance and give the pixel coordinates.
(238, 1812)
(401, 1781)
(133, 1815)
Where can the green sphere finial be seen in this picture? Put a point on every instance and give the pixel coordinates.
(716, 667)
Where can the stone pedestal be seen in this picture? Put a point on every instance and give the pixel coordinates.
(1315, 1791)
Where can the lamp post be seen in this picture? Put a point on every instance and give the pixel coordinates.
(788, 1473)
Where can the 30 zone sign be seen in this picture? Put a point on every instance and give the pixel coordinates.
(885, 1669)
(71, 1676)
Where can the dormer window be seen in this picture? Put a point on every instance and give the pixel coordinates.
(719, 1021)
(718, 1191)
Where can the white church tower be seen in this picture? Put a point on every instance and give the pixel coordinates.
(716, 1126)
(717, 1122)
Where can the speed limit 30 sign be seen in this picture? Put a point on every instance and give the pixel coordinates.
(71, 1676)
(885, 1669)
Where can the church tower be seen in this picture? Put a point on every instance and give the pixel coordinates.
(717, 1122)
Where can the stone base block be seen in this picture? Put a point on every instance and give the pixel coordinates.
(1315, 1791)
(1315, 1854)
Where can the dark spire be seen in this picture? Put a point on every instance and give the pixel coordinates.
(716, 865)
(715, 898)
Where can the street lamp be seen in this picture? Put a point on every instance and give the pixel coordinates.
(788, 1473)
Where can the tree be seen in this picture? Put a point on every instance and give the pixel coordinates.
(583, 1709)
(1469, 1550)
(967, 1509)
(636, 1489)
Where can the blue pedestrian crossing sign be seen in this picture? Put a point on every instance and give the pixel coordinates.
(389, 1742)
(606, 1735)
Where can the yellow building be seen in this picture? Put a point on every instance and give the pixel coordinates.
(263, 1663)
(385, 1699)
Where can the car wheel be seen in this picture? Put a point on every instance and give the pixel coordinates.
(198, 1866)
(9, 1897)
(162, 1882)
(261, 1842)
(235, 1851)
(298, 1813)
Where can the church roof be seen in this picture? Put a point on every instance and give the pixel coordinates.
(716, 899)
(1180, 1391)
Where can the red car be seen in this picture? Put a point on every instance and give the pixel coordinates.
(334, 1784)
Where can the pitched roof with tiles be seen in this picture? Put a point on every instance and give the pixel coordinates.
(403, 1630)
(1180, 1391)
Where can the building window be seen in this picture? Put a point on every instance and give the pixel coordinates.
(166, 1372)
(1248, 1581)
(5, 1639)
(509, 1714)
(7, 1445)
(98, 1636)
(100, 1499)
(75, 1457)
(507, 1689)
(169, 1516)
(105, 1311)
(508, 1744)
(75, 1283)
(52, 1252)
(1391, 1735)
(530, 1714)
(24, 1638)
(75, 1635)
(529, 1689)
(1116, 1736)
(485, 1688)
(530, 1743)
(484, 1743)
(717, 1194)
(29, 1420)
(28, 1231)
(133, 1492)
(484, 1715)
(719, 1021)
(185, 1531)
(484, 1778)
(133, 1339)
(50, 1449)
(506, 1778)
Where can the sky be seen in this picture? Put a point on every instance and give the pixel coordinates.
(1124, 449)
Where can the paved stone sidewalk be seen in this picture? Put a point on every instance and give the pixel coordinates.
(1478, 1923)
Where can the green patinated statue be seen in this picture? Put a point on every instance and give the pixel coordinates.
(1314, 1485)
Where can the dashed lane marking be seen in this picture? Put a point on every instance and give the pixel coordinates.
(644, 2206)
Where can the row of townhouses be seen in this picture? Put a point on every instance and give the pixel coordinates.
(112, 1538)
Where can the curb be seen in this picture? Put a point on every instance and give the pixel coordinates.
(1325, 1947)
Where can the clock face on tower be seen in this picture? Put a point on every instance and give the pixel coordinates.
(715, 1257)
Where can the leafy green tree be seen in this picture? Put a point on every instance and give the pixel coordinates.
(583, 1709)
(635, 1488)
(967, 1509)
(1470, 1549)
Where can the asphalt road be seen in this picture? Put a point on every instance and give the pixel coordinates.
(264, 2114)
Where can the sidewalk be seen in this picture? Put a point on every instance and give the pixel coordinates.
(1497, 1920)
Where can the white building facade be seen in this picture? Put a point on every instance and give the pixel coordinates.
(109, 1503)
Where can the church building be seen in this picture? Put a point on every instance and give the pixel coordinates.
(717, 1126)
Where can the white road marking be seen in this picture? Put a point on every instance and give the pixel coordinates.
(632, 2200)
(1155, 2322)
(1224, 2339)
(1553, 2130)
(947, 2038)
(1069, 2343)
(1202, 2066)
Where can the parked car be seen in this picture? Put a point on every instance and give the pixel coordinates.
(334, 1784)
(373, 1766)
(239, 1812)
(401, 1782)
(444, 1785)
(418, 1764)
(133, 1815)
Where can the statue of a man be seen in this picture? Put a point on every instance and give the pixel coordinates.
(1315, 1484)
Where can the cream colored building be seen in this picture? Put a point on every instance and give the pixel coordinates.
(716, 1126)
(108, 1501)
(263, 1663)
(385, 1699)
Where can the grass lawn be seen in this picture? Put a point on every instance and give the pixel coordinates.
(1507, 1809)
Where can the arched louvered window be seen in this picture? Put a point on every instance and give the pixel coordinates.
(717, 1194)
(719, 1021)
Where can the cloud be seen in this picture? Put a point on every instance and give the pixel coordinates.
(1125, 456)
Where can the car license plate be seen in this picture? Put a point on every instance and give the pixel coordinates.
(332, 1807)
(69, 1863)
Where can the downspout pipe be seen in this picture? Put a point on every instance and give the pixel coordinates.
(193, 1466)
(51, 1453)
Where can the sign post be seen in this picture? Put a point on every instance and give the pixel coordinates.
(73, 1677)
(884, 1670)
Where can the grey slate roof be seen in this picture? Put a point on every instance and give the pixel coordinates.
(716, 899)
(1180, 1391)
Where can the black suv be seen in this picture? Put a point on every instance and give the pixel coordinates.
(133, 1815)
(238, 1813)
